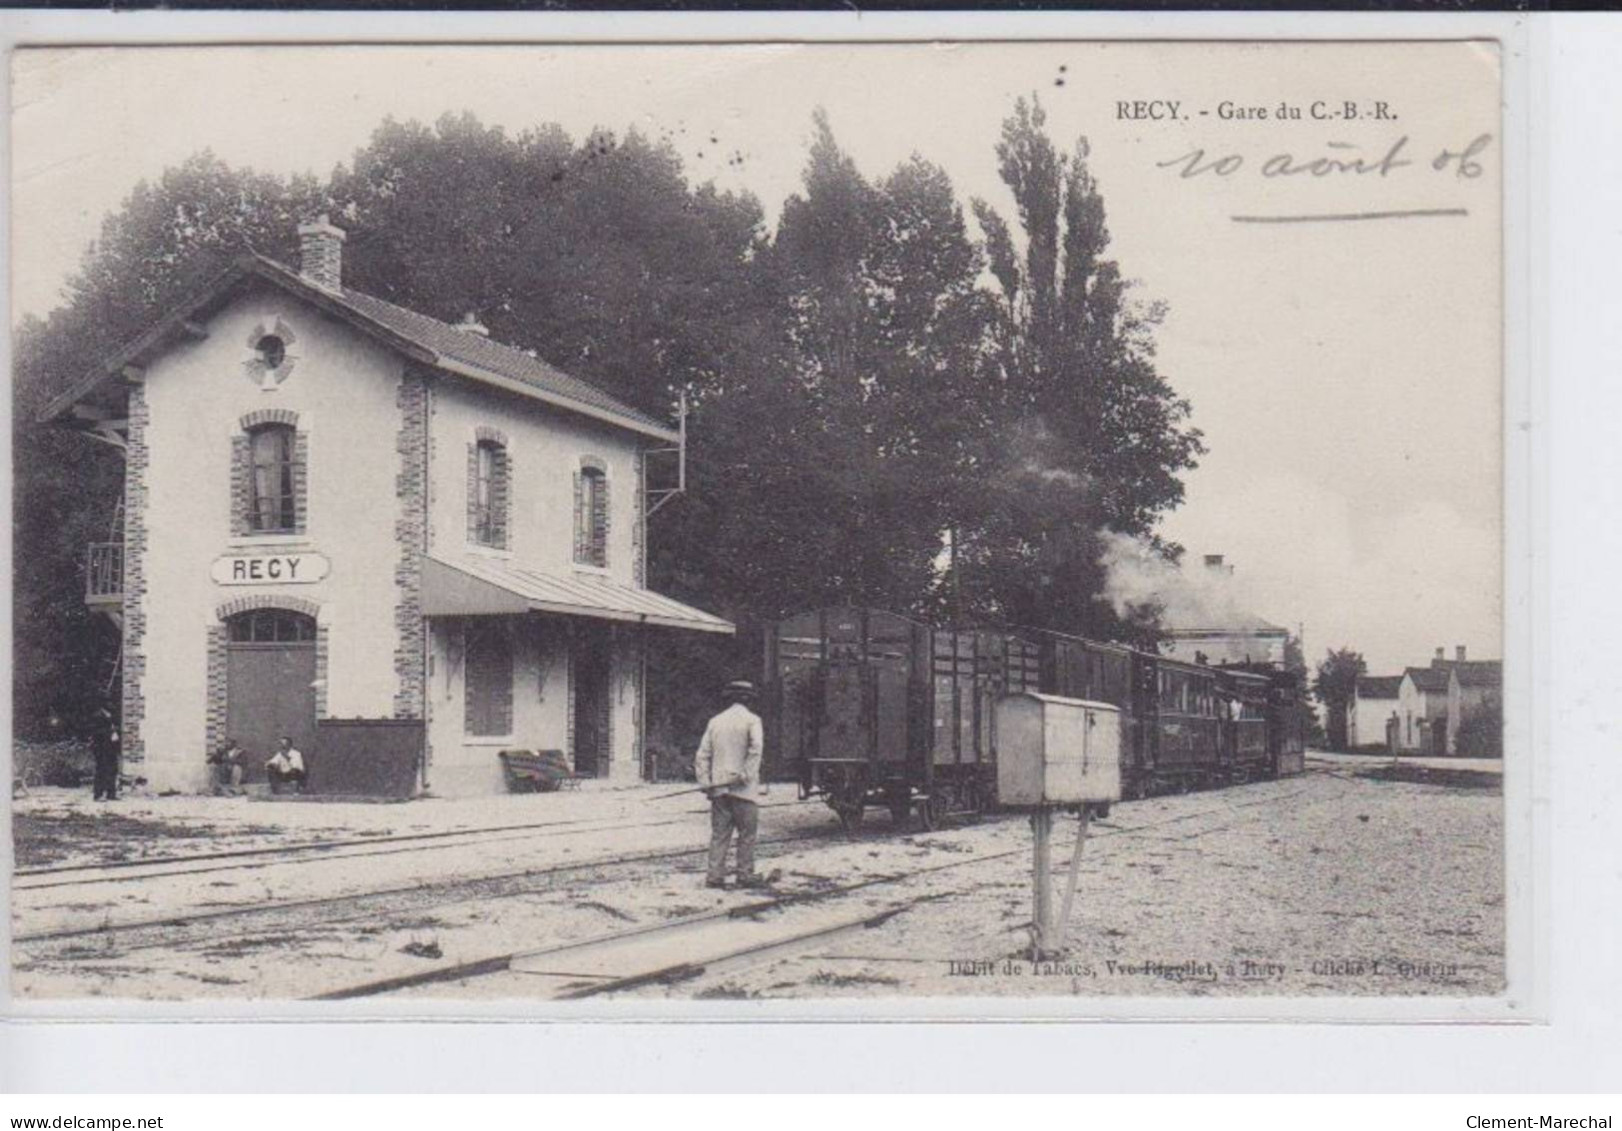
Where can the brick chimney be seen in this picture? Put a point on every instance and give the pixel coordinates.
(321, 253)
(1214, 562)
(1459, 652)
(1441, 657)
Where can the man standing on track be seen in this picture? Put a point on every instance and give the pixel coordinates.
(728, 769)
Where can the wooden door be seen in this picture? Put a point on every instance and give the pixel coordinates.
(592, 733)
(269, 693)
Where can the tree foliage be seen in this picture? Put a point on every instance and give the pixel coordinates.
(1335, 685)
(1090, 436)
(868, 380)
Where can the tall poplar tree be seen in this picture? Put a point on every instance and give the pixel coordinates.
(1090, 435)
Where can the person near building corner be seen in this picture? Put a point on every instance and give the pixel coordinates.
(727, 768)
(104, 749)
(285, 767)
(227, 763)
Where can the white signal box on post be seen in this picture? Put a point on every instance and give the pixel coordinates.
(1057, 752)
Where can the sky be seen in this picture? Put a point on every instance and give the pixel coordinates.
(1346, 374)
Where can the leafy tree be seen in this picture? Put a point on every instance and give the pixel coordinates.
(1090, 434)
(824, 468)
(1336, 687)
(1481, 732)
(598, 254)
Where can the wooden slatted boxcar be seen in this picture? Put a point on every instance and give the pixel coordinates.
(875, 709)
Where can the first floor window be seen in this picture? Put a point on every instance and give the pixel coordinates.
(489, 678)
(272, 507)
(487, 495)
(591, 518)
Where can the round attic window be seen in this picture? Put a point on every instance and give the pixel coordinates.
(272, 351)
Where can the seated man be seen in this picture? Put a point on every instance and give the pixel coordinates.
(227, 763)
(286, 767)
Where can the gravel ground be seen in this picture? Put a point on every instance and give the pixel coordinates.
(1343, 886)
(1330, 884)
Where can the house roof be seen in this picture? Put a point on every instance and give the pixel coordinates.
(425, 340)
(1431, 680)
(1378, 686)
(1479, 673)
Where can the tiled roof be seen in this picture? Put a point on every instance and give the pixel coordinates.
(1431, 680)
(1480, 673)
(479, 352)
(426, 340)
(1378, 686)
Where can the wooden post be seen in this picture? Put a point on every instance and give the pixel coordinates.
(1070, 885)
(1042, 881)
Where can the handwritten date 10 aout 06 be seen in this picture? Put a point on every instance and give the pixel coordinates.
(1464, 163)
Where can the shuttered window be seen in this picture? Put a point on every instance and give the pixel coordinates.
(591, 517)
(489, 667)
(488, 493)
(272, 507)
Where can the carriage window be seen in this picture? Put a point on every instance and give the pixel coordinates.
(272, 507)
(271, 626)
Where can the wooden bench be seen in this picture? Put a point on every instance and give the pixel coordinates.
(526, 771)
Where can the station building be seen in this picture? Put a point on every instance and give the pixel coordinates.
(344, 518)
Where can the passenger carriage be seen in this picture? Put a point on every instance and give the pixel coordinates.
(868, 708)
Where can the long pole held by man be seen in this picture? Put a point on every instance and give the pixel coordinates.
(727, 768)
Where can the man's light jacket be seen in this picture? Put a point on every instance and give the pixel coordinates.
(731, 748)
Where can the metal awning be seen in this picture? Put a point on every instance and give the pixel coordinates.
(475, 587)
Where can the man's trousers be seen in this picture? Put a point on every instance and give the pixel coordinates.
(728, 813)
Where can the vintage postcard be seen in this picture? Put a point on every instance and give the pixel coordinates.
(1005, 529)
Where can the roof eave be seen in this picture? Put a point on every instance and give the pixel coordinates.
(244, 267)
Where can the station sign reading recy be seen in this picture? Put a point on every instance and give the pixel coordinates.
(269, 569)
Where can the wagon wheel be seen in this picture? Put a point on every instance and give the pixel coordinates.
(931, 809)
(900, 805)
(849, 814)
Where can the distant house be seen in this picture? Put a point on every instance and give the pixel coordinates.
(1475, 707)
(1438, 704)
(1212, 630)
(1375, 704)
(1422, 715)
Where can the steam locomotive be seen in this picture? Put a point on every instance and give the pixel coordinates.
(867, 709)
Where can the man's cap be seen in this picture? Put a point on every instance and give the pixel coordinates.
(741, 687)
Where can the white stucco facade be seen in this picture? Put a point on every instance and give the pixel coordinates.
(1418, 714)
(342, 389)
(547, 450)
(1368, 719)
(378, 434)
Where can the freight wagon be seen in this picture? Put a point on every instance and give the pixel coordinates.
(867, 708)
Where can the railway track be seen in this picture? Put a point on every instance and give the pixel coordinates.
(129, 871)
(176, 930)
(699, 948)
(746, 934)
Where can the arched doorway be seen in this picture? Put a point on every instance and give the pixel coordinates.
(270, 677)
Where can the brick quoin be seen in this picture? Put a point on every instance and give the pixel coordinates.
(214, 716)
(137, 460)
(411, 537)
